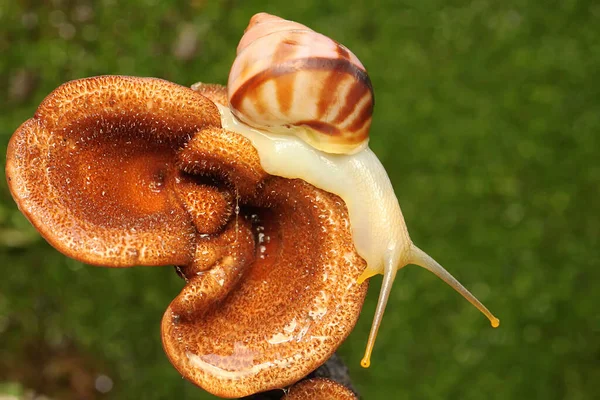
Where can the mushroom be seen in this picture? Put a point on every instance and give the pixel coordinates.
(94, 170)
(319, 389)
(121, 171)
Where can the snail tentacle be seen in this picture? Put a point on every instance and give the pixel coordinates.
(422, 259)
(389, 275)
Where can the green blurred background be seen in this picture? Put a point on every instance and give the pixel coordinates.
(488, 121)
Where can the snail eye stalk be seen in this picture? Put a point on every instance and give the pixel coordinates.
(417, 257)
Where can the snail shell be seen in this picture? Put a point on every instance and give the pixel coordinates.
(289, 79)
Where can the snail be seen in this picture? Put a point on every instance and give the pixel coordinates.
(306, 103)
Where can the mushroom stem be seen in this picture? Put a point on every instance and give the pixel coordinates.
(418, 257)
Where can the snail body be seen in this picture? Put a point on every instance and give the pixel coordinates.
(305, 102)
(359, 179)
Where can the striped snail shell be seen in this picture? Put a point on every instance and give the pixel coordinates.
(289, 79)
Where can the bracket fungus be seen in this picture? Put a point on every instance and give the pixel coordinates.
(319, 389)
(120, 171)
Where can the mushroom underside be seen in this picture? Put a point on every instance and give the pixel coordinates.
(121, 171)
(319, 389)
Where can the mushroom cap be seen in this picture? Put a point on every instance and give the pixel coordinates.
(120, 171)
(319, 389)
(294, 306)
(94, 168)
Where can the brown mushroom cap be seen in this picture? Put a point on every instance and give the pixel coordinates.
(122, 171)
(94, 168)
(295, 305)
(319, 389)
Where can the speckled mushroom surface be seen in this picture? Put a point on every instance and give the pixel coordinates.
(319, 389)
(94, 169)
(122, 171)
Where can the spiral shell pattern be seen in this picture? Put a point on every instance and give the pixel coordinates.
(289, 79)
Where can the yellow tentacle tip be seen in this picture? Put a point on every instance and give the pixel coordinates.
(365, 362)
(495, 322)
